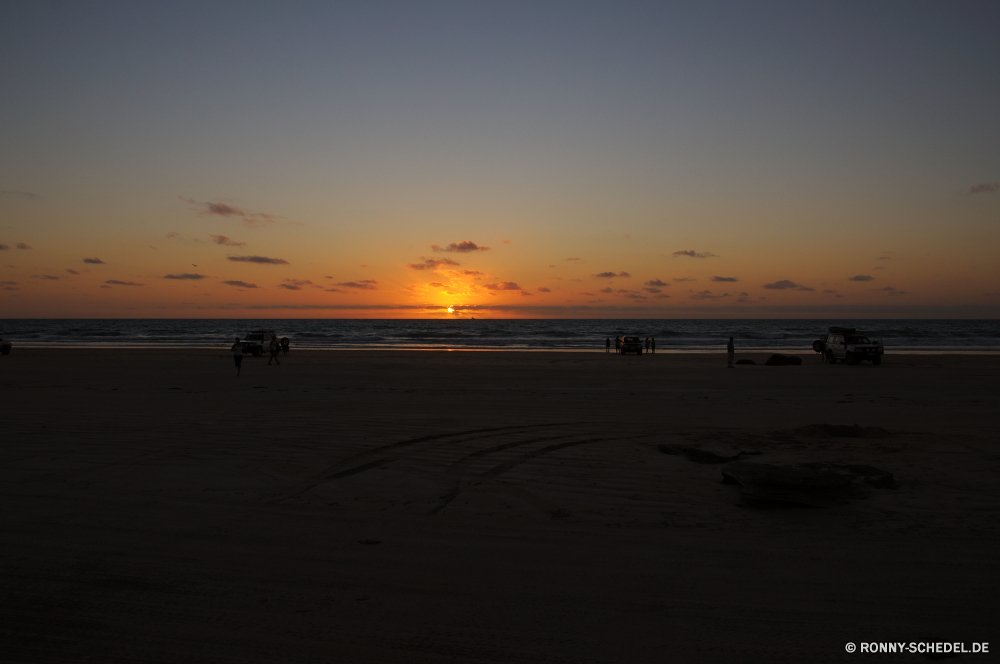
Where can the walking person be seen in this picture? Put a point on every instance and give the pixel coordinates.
(731, 352)
(275, 348)
(652, 343)
(237, 355)
(607, 344)
(618, 344)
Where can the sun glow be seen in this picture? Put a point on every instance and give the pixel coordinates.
(450, 310)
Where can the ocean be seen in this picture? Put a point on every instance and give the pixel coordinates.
(938, 336)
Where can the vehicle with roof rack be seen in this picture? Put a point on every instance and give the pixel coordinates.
(848, 345)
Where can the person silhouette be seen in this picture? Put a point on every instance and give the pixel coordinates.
(652, 343)
(237, 349)
(607, 345)
(731, 352)
(618, 344)
(647, 344)
(274, 347)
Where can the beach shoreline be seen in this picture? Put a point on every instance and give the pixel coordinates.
(400, 506)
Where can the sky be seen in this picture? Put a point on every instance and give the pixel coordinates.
(499, 159)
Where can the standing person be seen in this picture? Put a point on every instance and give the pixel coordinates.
(731, 352)
(618, 344)
(237, 355)
(652, 343)
(275, 347)
(647, 344)
(607, 344)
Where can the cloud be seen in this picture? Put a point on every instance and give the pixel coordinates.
(861, 277)
(431, 264)
(607, 290)
(830, 292)
(249, 218)
(694, 254)
(115, 282)
(570, 259)
(683, 279)
(333, 290)
(543, 289)
(611, 275)
(4, 247)
(883, 257)
(47, 277)
(173, 236)
(708, 295)
(656, 282)
(984, 188)
(93, 261)
(889, 290)
(503, 285)
(258, 259)
(368, 284)
(463, 247)
(21, 245)
(290, 286)
(651, 290)
(527, 294)
(298, 283)
(436, 284)
(240, 284)
(229, 242)
(12, 193)
(185, 275)
(505, 241)
(72, 271)
(785, 284)
(724, 279)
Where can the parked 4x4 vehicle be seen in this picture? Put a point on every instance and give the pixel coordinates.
(257, 341)
(849, 345)
(632, 345)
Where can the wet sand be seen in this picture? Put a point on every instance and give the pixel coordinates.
(376, 506)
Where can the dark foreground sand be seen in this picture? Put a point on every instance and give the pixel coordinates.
(483, 507)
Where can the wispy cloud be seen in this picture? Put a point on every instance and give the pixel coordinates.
(229, 242)
(431, 264)
(708, 295)
(861, 277)
(570, 259)
(543, 289)
(724, 279)
(463, 247)
(694, 254)
(16, 193)
(681, 280)
(185, 275)
(240, 284)
(652, 290)
(611, 275)
(4, 247)
(609, 289)
(503, 285)
(47, 277)
(258, 259)
(368, 284)
(295, 284)
(984, 188)
(889, 290)
(289, 286)
(785, 284)
(656, 282)
(252, 219)
(93, 261)
(173, 236)
(22, 245)
(72, 271)
(116, 282)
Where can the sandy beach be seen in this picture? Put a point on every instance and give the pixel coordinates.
(379, 506)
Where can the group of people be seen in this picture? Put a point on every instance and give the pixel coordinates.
(237, 350)
(650, 344)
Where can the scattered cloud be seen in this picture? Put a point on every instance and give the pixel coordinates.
(652, 290)
(116, 282)
(861, 277)
(289, 286)
(708, 295)
(333, 290)
(683, 279)
(258, 259)
(984, 188)
(173, 236)
(785, 284)
(883, 257)
(527, 294)
(185, 275)
(4, 247)
(436, 284)
(229, 242)
(249, 218)
(570, 259)
(611, 275)
(240, 284)
(93, 261)
(505, 241)
(15, 193)
(724, 279)
(431, 264)
(694, 254)
(543, 289)
(607, 290)
(47, 277)
(503, 285)
(368, 284)
(298, 283)
(22, 245)
(463, 247)
(72, 271)
(656, 282)
(889, 290)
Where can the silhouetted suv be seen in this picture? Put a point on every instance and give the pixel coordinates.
(847, 344)
(632, 345)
